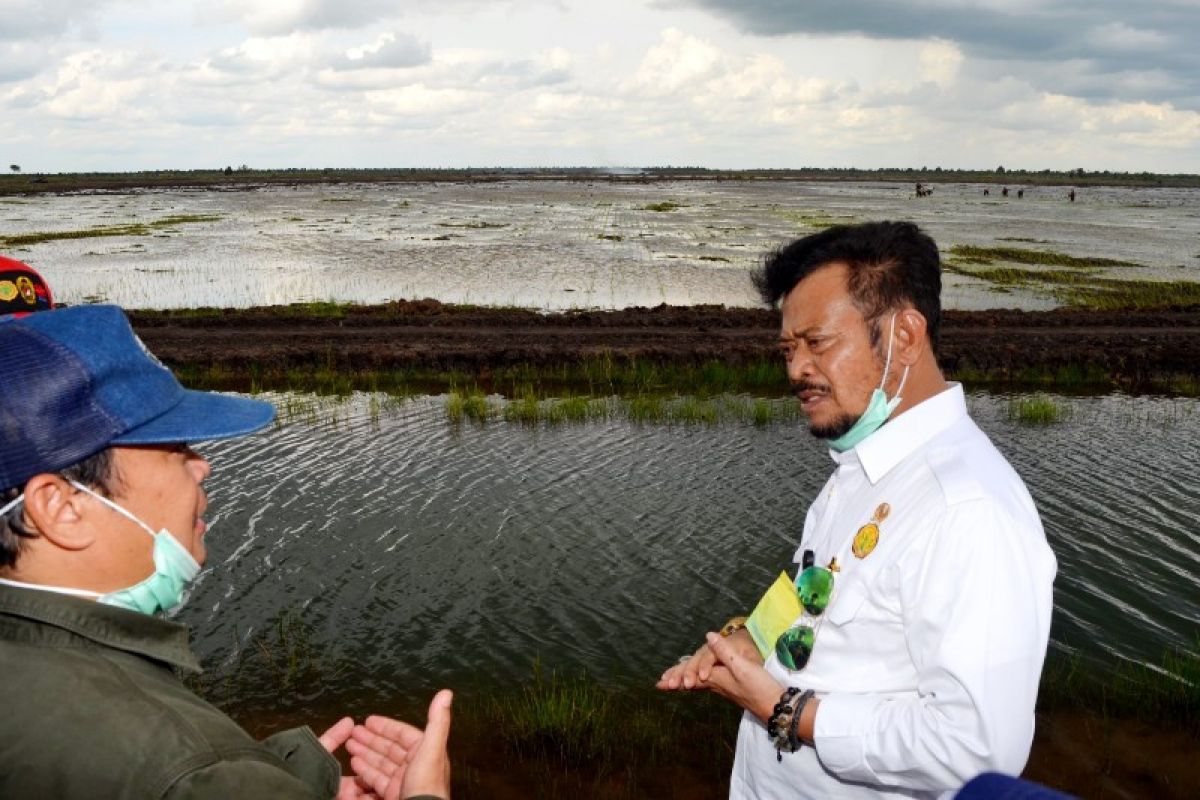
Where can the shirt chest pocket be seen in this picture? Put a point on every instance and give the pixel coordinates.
(871, 598)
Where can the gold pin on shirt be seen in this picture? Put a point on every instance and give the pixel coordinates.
(867, 537)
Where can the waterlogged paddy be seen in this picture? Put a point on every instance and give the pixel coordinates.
(550, 245)
(423, 553)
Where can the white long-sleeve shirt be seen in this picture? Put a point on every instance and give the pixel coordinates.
(928, 656)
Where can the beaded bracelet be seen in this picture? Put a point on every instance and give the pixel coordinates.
(779, 714)
(784, 721)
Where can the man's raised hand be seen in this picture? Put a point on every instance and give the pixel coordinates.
(397, 760)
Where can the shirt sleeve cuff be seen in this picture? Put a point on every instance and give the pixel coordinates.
(839, 731)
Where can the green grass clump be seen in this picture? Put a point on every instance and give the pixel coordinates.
(576, 409)
(813, 218)
(568, 720)
(611, 237)
(1083, 288)
(664, 206)
(21, 239)
(1108, 294)
(1018, 255)
(1164, 694)
(471, 405)
(184, 219)
(1039, 409)
(479, 225)
(1013, 276)
(129, 229)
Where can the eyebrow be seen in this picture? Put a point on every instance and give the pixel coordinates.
(804, 334)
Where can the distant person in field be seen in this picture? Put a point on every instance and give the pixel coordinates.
(1071, 195)
(22, 290)
(902, 657)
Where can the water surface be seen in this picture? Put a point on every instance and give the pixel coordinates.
(556, 245)
(423, 553)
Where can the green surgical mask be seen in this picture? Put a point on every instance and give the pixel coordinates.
(878, 409)
(174, 569)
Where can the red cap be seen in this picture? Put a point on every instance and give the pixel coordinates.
(22, 289)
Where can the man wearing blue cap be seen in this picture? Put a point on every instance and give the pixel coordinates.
(101, 528)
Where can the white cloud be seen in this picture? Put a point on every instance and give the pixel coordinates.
(98, 85)
(678, 62)
(390, 51)
(939, 62)
(557, 81)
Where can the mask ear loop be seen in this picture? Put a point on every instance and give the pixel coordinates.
(9, 506)
(123, 512)
(888, 364)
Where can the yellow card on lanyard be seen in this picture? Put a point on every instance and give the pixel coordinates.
(776, 611)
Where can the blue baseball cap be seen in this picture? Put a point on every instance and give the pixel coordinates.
(76, 380)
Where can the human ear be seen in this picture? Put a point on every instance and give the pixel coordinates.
(55, 509)
(911, 336)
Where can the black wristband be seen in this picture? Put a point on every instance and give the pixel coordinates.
(793, 728)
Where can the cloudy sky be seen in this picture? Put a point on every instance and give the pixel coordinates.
(134, 84)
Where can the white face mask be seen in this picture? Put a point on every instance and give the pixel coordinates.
(174, 569)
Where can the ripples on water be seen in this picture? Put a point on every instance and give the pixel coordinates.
(423, 553)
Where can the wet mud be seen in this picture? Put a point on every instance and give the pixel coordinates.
(1132, 348)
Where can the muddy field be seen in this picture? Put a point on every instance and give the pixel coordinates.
(1132, 348)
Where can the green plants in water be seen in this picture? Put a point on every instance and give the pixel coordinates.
(128, 229)
(281, 666)
(1167, 693)
(813, 218)
(470, 405)
(184, 219)
(664, 206)
(1039, 409)
(611, 237)
(1084, 288)
(568, 720)
(654, 409)
(477, 225)
(1019, 255)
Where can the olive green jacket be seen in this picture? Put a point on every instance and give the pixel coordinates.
(92, 708)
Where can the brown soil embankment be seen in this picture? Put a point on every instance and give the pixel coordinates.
(1134, 349)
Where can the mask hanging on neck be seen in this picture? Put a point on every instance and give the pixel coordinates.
(878, 409)
(174, 569)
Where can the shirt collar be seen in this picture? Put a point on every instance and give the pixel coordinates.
(903, 435)
(113, 627)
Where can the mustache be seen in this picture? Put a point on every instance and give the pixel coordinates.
(808, 386)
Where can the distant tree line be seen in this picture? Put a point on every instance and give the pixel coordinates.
(18, 183)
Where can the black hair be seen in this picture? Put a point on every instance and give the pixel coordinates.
(95, 471)
(890, 264)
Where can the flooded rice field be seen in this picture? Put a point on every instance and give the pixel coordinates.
(422, 553)
(551, 245)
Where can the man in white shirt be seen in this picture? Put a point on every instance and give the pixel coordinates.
(917, 656)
